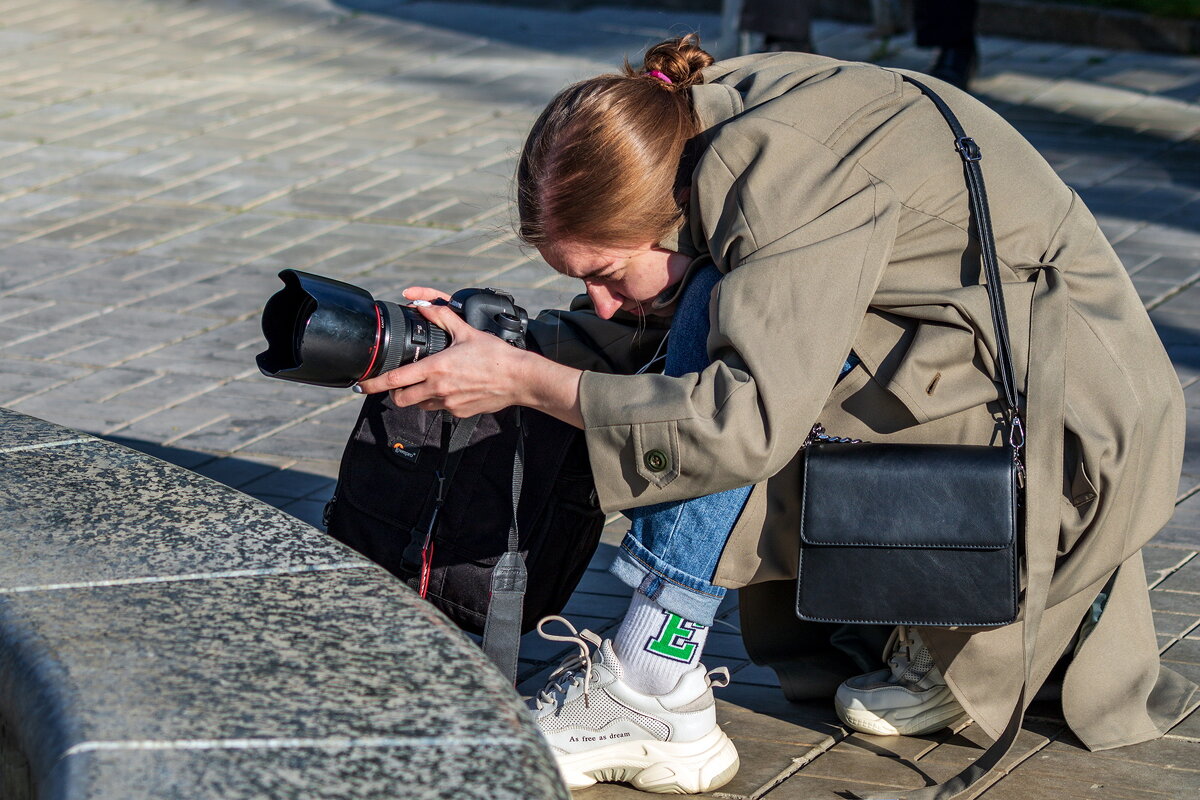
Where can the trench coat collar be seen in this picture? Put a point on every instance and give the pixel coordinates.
(715, 103)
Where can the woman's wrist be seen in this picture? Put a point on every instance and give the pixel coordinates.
(549, 387)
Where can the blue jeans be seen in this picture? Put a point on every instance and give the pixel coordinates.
(671, 551)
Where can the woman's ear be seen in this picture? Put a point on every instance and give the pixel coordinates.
(683, 196)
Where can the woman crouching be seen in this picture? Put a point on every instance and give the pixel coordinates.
(785, 239)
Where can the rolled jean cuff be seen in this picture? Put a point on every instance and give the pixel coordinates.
(692, 598)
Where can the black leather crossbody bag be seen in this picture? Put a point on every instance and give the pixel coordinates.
(914, 534)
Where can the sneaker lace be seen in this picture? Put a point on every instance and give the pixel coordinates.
(568, 673)
(907, 655)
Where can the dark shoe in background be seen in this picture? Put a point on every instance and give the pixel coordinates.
(956, 65)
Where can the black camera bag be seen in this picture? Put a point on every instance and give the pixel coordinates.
(387, 490)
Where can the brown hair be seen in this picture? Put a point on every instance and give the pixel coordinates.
(601, 163)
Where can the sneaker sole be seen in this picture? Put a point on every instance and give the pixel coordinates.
(864, 721)
(660, 767)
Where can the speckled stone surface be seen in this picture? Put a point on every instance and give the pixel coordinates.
(467, 772)
(311, 655)
(97, 511)
(164, 636)
(21, 432)
(282, 662)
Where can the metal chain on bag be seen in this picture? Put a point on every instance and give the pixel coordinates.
(818, 434)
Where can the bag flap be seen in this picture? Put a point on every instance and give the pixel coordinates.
(902, 495)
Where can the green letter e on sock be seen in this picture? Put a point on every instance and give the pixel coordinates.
(674, 640)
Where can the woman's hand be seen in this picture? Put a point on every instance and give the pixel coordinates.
(424, 293)
(479, 374)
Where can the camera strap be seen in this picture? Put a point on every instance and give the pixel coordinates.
(502, 628)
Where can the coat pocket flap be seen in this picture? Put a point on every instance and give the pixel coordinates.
(960, 497)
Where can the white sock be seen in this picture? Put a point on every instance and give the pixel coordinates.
(656, 647)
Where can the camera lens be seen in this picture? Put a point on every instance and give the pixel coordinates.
(329, 333)
(319, 331)
(408, 336)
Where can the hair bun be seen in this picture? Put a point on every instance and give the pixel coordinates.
(681, 60)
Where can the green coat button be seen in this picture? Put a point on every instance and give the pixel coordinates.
(656, 460)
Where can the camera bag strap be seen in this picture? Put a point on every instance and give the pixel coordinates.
(455, 436)
(1042, 452)
(502, 626)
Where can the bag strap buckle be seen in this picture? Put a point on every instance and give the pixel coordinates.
(967, 148)
(1016, 433)
(1016, 440)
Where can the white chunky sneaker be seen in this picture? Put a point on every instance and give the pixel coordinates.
(600, 729)
(907, 699)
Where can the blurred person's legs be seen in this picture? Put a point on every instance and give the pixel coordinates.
(784, 24)
(948, 25)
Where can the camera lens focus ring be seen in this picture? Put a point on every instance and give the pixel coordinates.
(406, 337)
(438, 340)
(393, 337)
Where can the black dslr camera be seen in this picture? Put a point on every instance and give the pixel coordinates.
(329, 333)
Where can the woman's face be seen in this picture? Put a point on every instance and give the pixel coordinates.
(619, 278)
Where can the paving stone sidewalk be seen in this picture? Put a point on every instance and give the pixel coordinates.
(161, 161)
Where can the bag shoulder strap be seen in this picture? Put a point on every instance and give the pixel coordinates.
(971, 155)
(1039, 503)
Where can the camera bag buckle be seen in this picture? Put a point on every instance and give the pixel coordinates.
(427, 547)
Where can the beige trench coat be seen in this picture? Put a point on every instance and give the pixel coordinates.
(832, 196)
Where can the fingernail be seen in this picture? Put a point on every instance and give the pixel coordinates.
(356, 389)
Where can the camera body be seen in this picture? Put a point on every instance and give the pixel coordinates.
(492, 311)
(329, 333)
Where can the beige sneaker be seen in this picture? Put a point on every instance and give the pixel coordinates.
(909, 698)
(601, 729)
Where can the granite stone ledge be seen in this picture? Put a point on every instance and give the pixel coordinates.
(281, 664)
(19, 433)
(312, 773)
(162, 635)
(94, 511)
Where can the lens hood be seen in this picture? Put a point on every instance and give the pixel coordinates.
(319, 331)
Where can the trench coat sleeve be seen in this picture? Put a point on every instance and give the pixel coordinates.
(803, 236)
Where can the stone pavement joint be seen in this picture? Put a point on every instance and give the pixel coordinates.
(162, 160)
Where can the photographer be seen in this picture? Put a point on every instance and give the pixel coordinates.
(801, 227)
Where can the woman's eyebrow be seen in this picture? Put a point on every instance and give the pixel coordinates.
(600, 271)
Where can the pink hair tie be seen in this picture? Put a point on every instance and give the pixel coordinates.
(661, 76)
